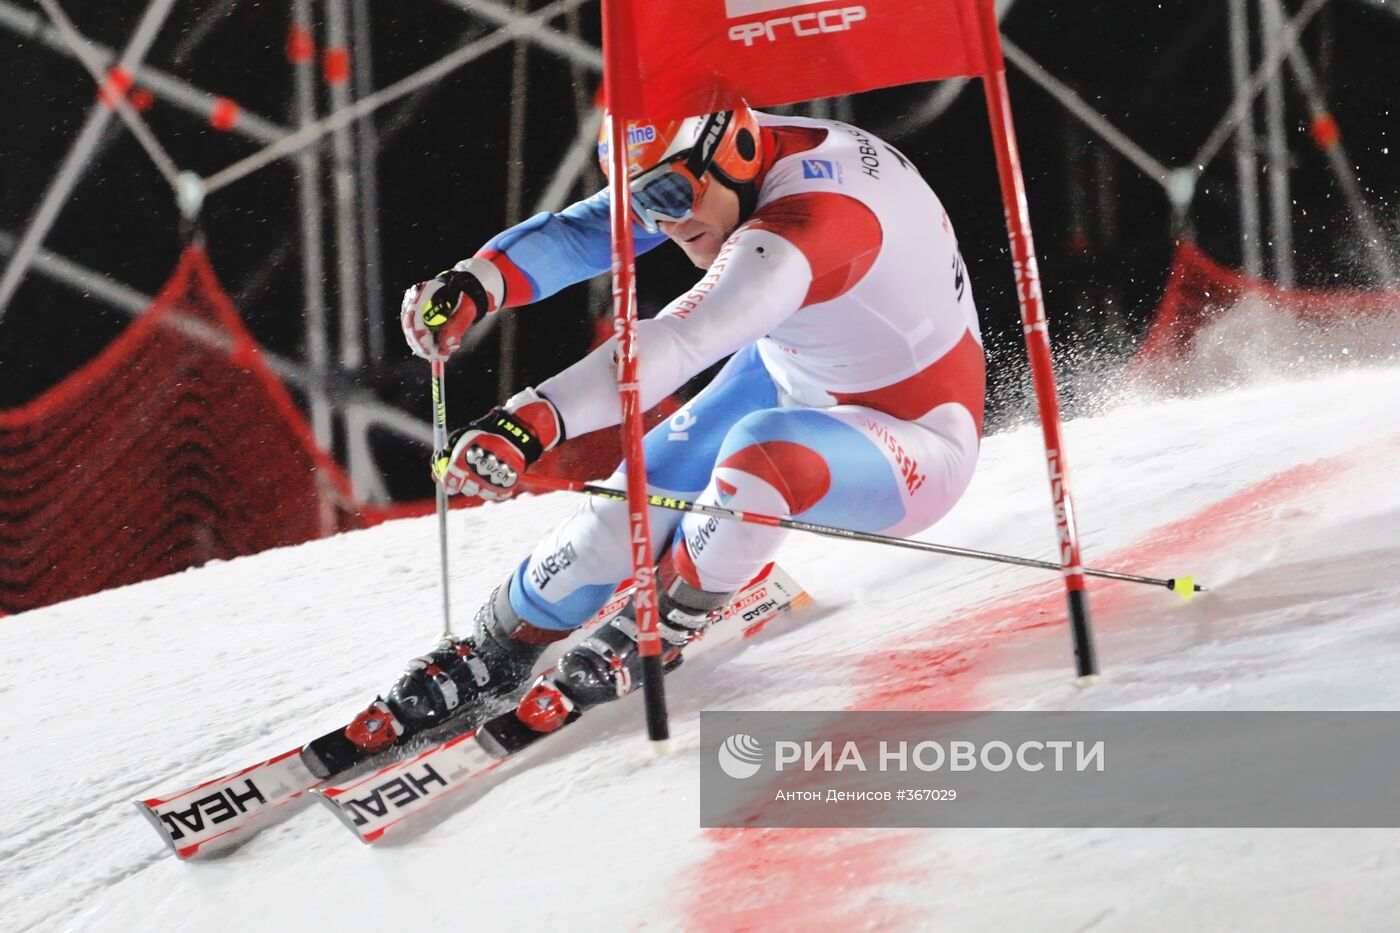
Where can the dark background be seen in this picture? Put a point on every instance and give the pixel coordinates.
(1104, 233)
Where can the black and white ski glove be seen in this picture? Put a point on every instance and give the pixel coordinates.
(437, 313)
(488, 456)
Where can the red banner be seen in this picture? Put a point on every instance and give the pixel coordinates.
(705, 55)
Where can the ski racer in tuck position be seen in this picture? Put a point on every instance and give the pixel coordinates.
(853, 393)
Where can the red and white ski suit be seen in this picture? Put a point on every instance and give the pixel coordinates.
(853, 396)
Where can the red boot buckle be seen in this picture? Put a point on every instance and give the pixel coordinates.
(375, 729)
(544, 708)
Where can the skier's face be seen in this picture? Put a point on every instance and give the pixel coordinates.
(705, 230)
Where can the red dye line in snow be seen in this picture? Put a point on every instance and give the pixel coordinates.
(797, 879)
(921, 673)
(791, 879)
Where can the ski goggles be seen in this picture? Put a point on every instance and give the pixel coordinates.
(668, 191)
(671, 189)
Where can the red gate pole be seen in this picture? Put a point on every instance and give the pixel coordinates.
(1018, 226)
(619, 66)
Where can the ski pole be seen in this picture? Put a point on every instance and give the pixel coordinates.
(1183, 586)
(439, 442)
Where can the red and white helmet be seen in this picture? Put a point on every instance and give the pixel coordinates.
(669, 164)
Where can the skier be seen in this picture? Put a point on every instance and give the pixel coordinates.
(853, 393)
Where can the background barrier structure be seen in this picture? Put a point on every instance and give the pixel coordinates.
(1217, 327)
(178, 445)
(164, 452)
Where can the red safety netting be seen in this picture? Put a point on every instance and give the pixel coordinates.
(177, 445)
(174, 446)
(1216, 325)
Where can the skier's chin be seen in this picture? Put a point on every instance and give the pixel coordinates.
(702, 249)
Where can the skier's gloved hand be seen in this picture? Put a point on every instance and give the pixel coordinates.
(436, 314)
(488, 456)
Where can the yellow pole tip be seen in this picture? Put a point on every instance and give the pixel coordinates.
(1185, 587)
(1088, 680)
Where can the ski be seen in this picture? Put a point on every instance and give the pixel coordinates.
(226, 810)
(370, 805)
(220, 812)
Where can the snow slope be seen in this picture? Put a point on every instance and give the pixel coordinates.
(1281, 498)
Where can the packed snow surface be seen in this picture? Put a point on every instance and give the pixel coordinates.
(1282, 499)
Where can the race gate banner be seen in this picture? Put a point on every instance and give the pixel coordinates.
(707, 55)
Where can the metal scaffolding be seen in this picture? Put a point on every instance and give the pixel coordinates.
(342, 179)
(79, 157)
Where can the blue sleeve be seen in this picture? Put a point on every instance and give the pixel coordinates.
(557, 250)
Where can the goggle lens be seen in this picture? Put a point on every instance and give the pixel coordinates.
(667, 192)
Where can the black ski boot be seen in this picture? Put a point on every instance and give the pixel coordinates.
(458, 677)
(608, 664)
(455, 681)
